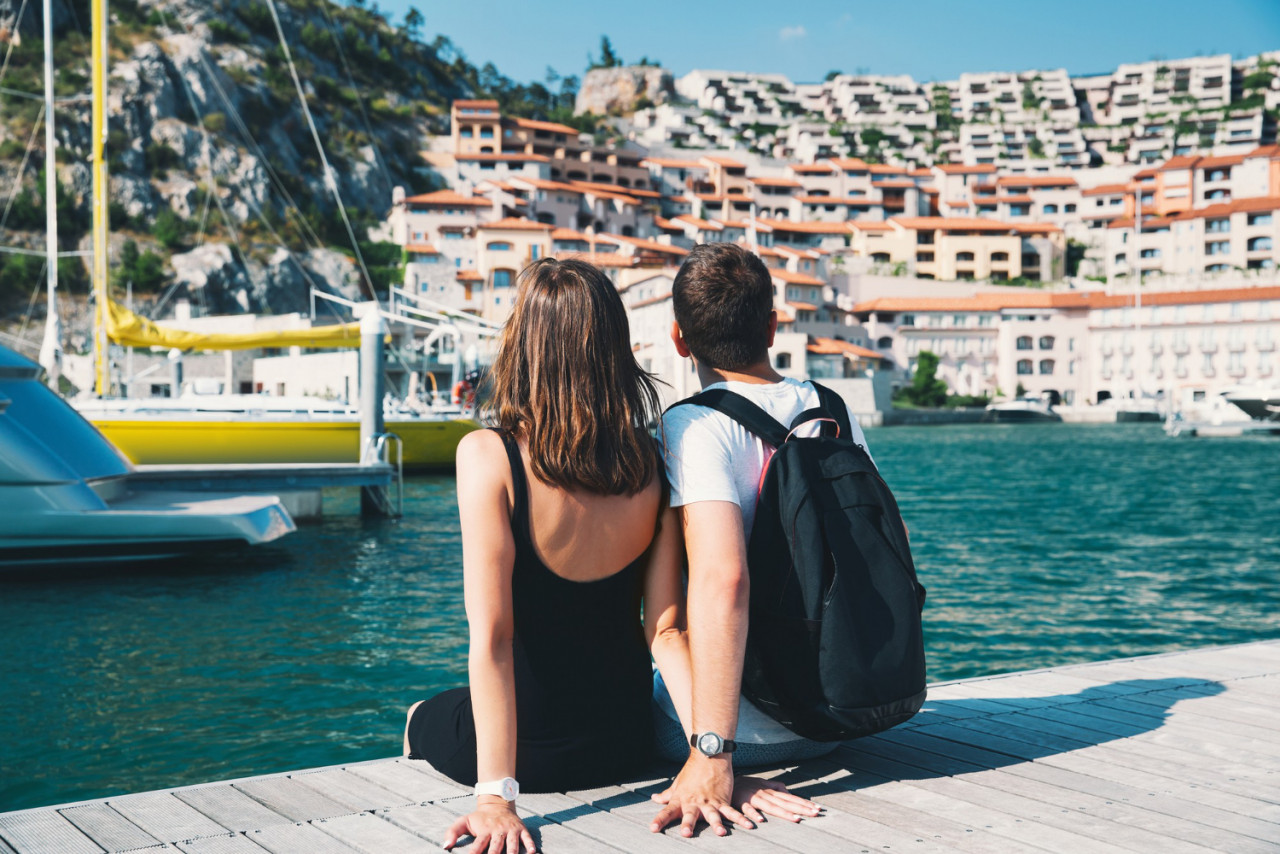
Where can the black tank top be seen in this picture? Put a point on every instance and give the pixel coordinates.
(582, 666)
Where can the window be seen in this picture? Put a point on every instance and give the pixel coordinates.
(1150, 253)
(1070, 208)
(1024, 343)
(486, 133)
(1217, 247)
(1051, 209)
(1024, 367)
(498, 246)
(535, 252)
(1217, 226)
(466, 133)
(1260, 218)
(783, 360)
(1218, 196)
(880, 258)
(1217, 268)
(501, 279)
(1019, 210)
(1218, 175)
(1258, 244)
(961, 257)
(999, 256)
(908, 320)
(884, 343)
(924, 257)
(1046, 342)
(1046, 366)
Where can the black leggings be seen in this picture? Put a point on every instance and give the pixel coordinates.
(442, 731)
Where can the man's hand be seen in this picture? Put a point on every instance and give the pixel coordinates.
(754, 796)
(494, 827)
(703, 789)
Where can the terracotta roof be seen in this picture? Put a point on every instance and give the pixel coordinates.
(850, 164)
(648, 245)
(603, 259)
(1218, 162)
(895, 184)
(743, 224)
(710, 197)
(569, 234)
(801, 306)
(469, 276)
(477, 105)
(1254, 205)
(987, 301)
(614, 188)
(1144, 174)
(1012, 200)
(1107, 190)
(947, 223)
(869, 225)
(1265, 151)
(674, 163)
(421, 249)
(886, 169)
(1036, 228)
(961, 169)
(1035, 181)
(812, 168)
(833, 346)
(807, 227)
(513, 224)
(554, 127)
(448, 198)
(666, 224)
(542, 184)
(1184, 161)
(795, 278)
(505, 157)
(701, 224)
(923, 172)
(726, 162)
(774, 182)
(792, 252)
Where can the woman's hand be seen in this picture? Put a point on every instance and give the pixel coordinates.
(754, 795)
(495, 827)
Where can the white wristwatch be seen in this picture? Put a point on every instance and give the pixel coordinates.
(506, 788)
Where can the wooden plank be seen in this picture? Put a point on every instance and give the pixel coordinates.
(602, 826)
(295, 838)
(231, 844)
(165, 817)
(350, 790)
(431, 821)
(44, 832)
(108, 828)
(230, 807)
(291, 799)
(409, 783)
(374, 835)
(635, 807)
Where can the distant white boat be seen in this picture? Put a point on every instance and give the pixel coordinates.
(67, 498)
(1027, 409)
(1260, 402)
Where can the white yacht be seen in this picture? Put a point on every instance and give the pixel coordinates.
(1260, 402)
(1021, 410)
(66, 496)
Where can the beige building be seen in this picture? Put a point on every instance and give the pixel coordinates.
(503, 249)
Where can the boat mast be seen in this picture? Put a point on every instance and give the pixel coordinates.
(101, 190)
(1137, 296)
(51, 347)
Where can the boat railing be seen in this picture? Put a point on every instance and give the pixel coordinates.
(377, 450)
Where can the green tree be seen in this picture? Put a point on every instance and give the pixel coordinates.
(608, 59)
(413, 22)
(170, 229)
(832, 75)
(926, 389)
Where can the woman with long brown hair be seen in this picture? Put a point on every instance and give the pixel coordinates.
(565, 532)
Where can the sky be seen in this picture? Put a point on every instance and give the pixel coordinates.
(927, 39)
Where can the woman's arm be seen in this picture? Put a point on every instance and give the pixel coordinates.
(664, 615)
(488, 555)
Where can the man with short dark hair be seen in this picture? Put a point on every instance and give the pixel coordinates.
(725, 322)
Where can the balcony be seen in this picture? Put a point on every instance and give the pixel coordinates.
(1235, 372)
(1208, 372)
(1106, 373)
(1156, 348)
(1267, 346)
(1264, 370)
(1181, 348)
(1127, 348)
(1180, 372)
(1208, 346)
(1107, 348)
(1235, 346)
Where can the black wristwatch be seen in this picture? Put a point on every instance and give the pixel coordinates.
(710, 744)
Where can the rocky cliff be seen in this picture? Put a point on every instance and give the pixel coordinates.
(215, 173)
(612, 91)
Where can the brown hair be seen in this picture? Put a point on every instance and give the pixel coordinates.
(722, 297)
(565, 380)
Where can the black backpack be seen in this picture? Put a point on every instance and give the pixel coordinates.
(834, 642)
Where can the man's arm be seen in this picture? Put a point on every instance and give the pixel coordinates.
(718, 595)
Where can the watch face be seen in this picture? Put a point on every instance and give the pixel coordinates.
(510, 789)
(709, 743)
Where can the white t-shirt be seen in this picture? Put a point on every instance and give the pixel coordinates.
(710, 457)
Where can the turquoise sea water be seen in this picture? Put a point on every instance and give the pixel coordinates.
(1040, 545)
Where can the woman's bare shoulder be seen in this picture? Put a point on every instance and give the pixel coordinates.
(482, 457)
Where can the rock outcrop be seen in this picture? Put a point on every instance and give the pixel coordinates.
(613, 91)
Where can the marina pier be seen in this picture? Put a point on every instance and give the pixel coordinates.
(1173, 752)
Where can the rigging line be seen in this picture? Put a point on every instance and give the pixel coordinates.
(368, 126)
(291, 206)
(329, 180)
(40, 253)
(17, 24)
(31, 306)
(20, 94)
(17, 178)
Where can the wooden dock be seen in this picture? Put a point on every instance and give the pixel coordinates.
(1168, 753)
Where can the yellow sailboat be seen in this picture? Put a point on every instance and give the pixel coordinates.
(230, 428)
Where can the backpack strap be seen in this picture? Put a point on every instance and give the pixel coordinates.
(741, 410)
(833, 406)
